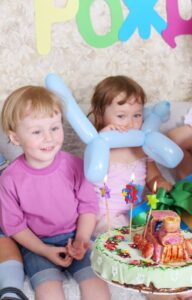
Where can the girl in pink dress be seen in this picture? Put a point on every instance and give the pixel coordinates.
(117, 104)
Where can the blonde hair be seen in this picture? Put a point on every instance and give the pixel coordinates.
(28, 100)
(108, 89)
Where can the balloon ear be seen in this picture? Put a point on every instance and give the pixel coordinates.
(96, 160)
(155, 115)
(162, 150)
(56, 84)
(74, 115)
(162, 109)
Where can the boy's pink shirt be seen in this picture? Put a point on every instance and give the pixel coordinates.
(48, 200)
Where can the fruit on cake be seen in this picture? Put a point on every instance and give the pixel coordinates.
(160, 261)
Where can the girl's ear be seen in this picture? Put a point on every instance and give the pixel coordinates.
(13, 138)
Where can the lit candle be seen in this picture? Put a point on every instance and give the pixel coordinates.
(152, 202)
(105, 193)
(133, 199)
(131, 195)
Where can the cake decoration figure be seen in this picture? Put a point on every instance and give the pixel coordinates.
(164, 242)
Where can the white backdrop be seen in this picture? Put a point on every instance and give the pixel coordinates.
(164, 72)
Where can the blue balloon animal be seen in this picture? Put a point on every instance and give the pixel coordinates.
(97, 153)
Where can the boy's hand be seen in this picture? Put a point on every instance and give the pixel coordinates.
(59, 256)
(77, 248)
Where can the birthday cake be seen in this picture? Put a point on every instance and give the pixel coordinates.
(153, 259)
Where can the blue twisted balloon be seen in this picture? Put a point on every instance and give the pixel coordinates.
(97, 152)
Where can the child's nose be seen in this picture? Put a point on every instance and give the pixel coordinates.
(130, 123)
(47, 136)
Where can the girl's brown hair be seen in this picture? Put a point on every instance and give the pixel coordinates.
(108, 89)
(35, 100)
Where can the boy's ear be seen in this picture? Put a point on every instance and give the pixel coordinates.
(13, 138)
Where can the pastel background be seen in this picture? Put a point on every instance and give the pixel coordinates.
(164, 72)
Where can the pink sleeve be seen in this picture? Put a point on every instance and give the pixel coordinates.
(12, 219)
(85, 193)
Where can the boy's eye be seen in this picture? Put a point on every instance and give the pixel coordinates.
(120, 116)
(36, 132)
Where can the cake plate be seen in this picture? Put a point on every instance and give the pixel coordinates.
(148, 290)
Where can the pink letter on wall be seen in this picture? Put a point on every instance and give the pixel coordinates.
(176, 25)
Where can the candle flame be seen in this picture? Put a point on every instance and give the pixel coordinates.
(105, 179)
(132, 177)
(155, 187)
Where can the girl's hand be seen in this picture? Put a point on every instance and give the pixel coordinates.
(153, 174)
(114, 127)
(59, 256)
(164, 184)
(77, 248)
